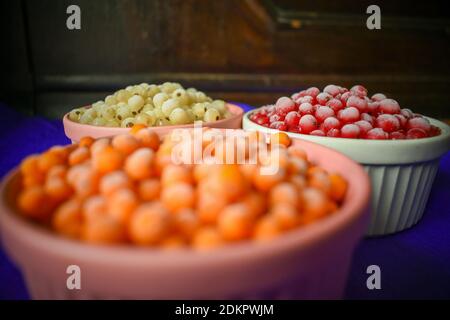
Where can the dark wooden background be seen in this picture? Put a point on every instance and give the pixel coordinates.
(251, 51)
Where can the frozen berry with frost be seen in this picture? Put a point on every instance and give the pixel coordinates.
(389, 106)
(359, 90)
(306, 108)
(323, 112)
(372, 107)
(313, 92)
(323, 98)
(407, 113)
(280, 125)
(292, 119)
(319, 133)
(284, 105)
(349, 115)
(402, 119)
(419, 122)
(335, 104)
(416, 133)
(345, 96)
(334, 133)
(378, 97)
(308, 123)
(332, 89)
(387, 122)
(377, 134)
(350, 131)
(331, 123)
(367, 117)
(364, 126)
(397, 135)
(357, 102)
(305, 99)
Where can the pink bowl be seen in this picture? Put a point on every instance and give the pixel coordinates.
(309, 263)
(75, 131)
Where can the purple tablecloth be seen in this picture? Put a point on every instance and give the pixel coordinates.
(414, 263)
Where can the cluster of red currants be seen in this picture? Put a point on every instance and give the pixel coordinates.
(343, 113)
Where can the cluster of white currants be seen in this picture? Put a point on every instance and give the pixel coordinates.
(152, 105)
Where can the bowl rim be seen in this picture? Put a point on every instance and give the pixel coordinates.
(375, 152)
(236, 110)
(306, 236)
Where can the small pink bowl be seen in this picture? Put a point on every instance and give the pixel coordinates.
(75, 131)
(311, 262)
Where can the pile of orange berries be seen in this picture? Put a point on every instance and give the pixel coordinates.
(126, 189)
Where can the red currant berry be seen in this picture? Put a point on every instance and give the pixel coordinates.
(349, 115)
(319, 133)
(334, 133)
(377, 134)
(308, 123)
(407, 113)
(292, 119)
(387, 122)
(313, 92)
(397, 135)
(331, 123)
(350, 131)
(285, 105)
(389, 106)
(332, 89)
(364, 126)
(335, 104)
(419, 122)
(367, 117)
(359, 90)
(323, 112)
(306, 108)
(357, 102)
(378, 97)
(416, 133)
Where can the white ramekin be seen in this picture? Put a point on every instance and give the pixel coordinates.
(401, 172)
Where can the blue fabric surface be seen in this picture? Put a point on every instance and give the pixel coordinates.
(414, 263)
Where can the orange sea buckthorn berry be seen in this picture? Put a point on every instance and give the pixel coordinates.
(86, 142)
(209, 206)
(79, 155)
(114, 181)
(58, 188)
(173, 174)
(148, 139)
(299, 181)
(48, 160)
(266, 228)
(286, 215)
(62, 152)
(86, 183)
(67, 219)
(280, 138)
(320, 180)
(121, 205)
(139, 164)
(74, 172)
(35, 203)
(229, 181)
(284, 192)
(264, 181)
(256, 204)
(203, 170)
(235, 222)
(315, 204)
(99, 145)
(103, 230)
(107, 160)
(59, 171)
(248, 170)
(178, 196)
(137, 127)
(338, 187)
(186, 222)
(125, 143)
(29, 165)
(94, 207)
(149, 189)
(206, 238)
(149, 223)
(297, 166)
